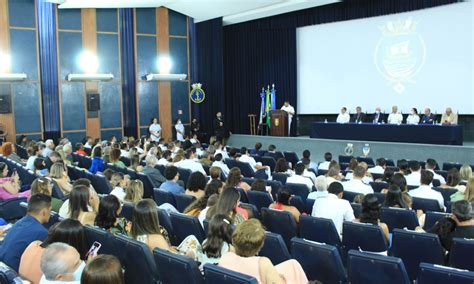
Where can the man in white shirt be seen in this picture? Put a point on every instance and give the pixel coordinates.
(395, 117)
(343, 116)
(246, 158)
(220, 164)
(334, 207)
(321, 185)
(291, 111)
(189, 163)
(356, 184)
(307, 172)
(155, 130)
(414, 177)
(312, 165)
(327, 160)
(430, 165)
(380, 167)
(220, 150)
(37, 153)
(425, 190)
(299, 178)
(334, 174)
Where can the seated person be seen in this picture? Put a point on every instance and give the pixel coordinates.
(356, 184)
(58, 173)
(171, 183)
(10, 186)
(134, 191)
(28, 229)
(247, 240)
(334, 207)
(395, 117)
(299, 178)
(104, 269)
(196, 185)
(153, 173)
(61, 263)
(45, 186)
(413, 117)
(394, 198)
(327, 159)
(108, 216)
(118, 184)
(379, 168)
(218, 162)
(321, 188)
(235, 179)
(228, 204)
(371, 213)
(35, 151)
(343, 116)
(449, 117)
(462, 215)
(377, 117)
(198, 205)
(82, 205)
(283, 203)
(428, 118)
(359, 116)
(281, 166)
(425, 190)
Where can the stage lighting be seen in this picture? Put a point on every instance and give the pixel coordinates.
(5, 63)
(164, 65)
(88, 62)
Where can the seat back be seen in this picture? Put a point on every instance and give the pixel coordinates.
(184, 175)
(251, 209)
(11, 210)
(274, 248)
(281, 177)
(101, 184)
(446, 193)
(163, 196)
(414, 248)
(345, 159)
(432, 273)
(432, 217)
(378, 186)
(186, 225)
(369, 161)
(216, 274)
(280, 222)
(275, 185)
(461, 254)
(183, 201)
(366, 237)
(309, 206)
(137, 259)
(127, 210)
(320, 230)
(398, 218)
(291, 157)
(447, 166)
(131, 173)
(357, 209)
(57, 193)
(165, 221)
(268, 161)
(174, 268)
(297, 202)
(161, 168)
(147, 185)
(107, 240)
(259, 199)
(245, 169)
(349, 195)
(300, 190)
(425, 204)
(243, 195)
(320, 262)
(366, 268)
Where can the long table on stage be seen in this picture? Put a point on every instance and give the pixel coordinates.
(426, 133)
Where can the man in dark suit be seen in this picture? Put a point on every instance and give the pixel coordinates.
(219, 129)
(378, 117)
(153, 173)
(359, 116)
(428, 118)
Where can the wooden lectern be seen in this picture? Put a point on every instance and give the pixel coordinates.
(279, 123)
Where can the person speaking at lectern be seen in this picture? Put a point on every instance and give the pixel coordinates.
(291, 111)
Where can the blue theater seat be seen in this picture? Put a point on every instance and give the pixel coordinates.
(259, 199)
(425, 204)
(378, 186)
(398, 218)
(185, 225)
(461, 254)
(11, 210)
(280, 222)
(432, 217)
(274, 248)
(297, 189)
(366, 237)
(147, 185)
(251, 210)
(184, 175)
(127, 210)
(320, 262)
(101, 184)
(281, 177)
(215, 274)
(414, 248)
(183, 201)
(163, 196)
(370, 268)
(106, 239)
(349, 195)
(320, 230)
(291, 157)
(437, 274)
(176, 269)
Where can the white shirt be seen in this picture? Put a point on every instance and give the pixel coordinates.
(46, 152)
(343, 118)
(395, 118)
(425, 191)
(179, 128)
(323, 166)
(119, 193)
(154, 129)
(310, 175)
(413, 119)
(300, 180)
(331, 207)
(190, 165)
(356, 185)
(163, 162)
(289, 109)
(414, 178)
(30, 164)
(249, 160)
(376, 170)
(365, 179)
(222, 166)
(222, 152)
(64, 210)
(438, 177)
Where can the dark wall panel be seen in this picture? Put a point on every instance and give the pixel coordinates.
(70, 47)
(69, 19)
(27, 108)
(75, 137)
(146, 53)
(107, 20)
(110, 105)
(180, 101)
(146, 21)
(177, 23)
(34, 137)
(108, 54)
(22, 13)
(147, 102)
(104, 134)
(179, 55)
(23, 52)
(73, 106)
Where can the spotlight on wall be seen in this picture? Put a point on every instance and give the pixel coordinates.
(89, 64)
(5, 67)
(164, 66)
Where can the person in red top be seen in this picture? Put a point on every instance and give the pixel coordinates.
(283, 203)
(80, 149)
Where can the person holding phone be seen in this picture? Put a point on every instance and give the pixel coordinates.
(10, 186)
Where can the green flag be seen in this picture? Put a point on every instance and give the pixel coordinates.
(268, 106)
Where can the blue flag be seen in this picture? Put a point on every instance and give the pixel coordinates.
(273, 97)
(262, 106)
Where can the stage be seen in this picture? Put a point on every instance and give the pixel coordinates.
(390, 150)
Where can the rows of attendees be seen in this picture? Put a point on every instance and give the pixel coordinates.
(41, 256)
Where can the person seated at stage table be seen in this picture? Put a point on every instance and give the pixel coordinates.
(413, 117)
(359, 116)
(449, 117)
(428, 118)
(343, 116)
(395, 117)
(377, 116)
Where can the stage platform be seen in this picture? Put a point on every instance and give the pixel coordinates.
(390, 150)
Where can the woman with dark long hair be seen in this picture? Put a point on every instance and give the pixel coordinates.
(79, 205)
(399, 180)
(235, 179)
(394, 198)
(195, 208)
(227, 205)
(108, 217)
(371, 213)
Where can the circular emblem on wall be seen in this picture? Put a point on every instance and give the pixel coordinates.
(197, 94)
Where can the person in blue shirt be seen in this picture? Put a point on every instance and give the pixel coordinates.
(97, 161)
(171, 184)
(28, 229)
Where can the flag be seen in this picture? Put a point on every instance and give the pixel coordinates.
(262, 106)
(273, 97)
(268, 106)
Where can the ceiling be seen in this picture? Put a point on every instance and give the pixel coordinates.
(232, 11)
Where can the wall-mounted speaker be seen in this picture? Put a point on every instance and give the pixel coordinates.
(5, 103)
(93, 102)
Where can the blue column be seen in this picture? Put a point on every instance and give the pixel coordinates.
(129, 102)
(193, 63)
(49, 69)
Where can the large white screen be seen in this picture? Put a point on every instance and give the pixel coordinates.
(415, 59)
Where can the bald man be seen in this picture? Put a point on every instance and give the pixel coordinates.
(449, 117)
